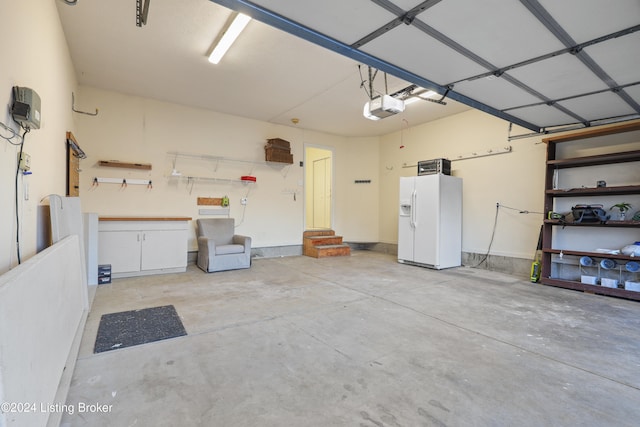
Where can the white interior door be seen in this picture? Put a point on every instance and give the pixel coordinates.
(322, 193)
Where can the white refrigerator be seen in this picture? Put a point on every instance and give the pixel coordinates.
(430, 221)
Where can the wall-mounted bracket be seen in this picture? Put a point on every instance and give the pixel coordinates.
(73, 107)
(472, 155)
(124, 182)
(142, 12)
(483, 153)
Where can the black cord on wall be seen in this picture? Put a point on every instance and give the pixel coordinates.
(17, 211)
(495, 226)
(493, 234)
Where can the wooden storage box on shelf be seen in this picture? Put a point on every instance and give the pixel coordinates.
(279, 143)
(278, 155)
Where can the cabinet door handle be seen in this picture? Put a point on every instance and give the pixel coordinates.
(138, 237)
(144, 236)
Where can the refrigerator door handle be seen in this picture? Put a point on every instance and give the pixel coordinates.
(414, 199)
(414, 196)
(411, 211)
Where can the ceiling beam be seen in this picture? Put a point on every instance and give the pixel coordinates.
(453, 45)
(402, 18)
(572, 49)
(409, 18)
(566, 98)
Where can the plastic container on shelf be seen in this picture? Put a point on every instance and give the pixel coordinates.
(608, 264)
(631, 250)
(632, 267)
(632, 286)
(586, 261)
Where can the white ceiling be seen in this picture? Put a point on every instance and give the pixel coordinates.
(542, 64)
(267, 75)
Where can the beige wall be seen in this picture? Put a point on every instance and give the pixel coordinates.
(35, 55)
(515, 179)
(142, 130)
(41, 308)
(357, 205)
(133, 129)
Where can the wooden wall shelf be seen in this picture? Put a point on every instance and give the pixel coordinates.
(590, 254)
(126, 165)
(601, 159)
(144, 218)
(610, 223)
(209, 201)
(595, 132)
(591, 289)
(595, 191)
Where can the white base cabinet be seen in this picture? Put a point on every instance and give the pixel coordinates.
(143, 246)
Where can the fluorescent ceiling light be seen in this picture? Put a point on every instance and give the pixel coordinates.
(229, 37)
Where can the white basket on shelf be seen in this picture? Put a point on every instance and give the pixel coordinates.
(632, 286)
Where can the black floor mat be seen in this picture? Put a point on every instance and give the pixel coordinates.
(128, 328)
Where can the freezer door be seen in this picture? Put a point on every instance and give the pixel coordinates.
(405, 219)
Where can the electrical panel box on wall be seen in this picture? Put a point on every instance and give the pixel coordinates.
(26, 107)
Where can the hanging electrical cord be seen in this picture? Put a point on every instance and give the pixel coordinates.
(495, 226)
(26, 130)
(493, 233)
(522, 211)
(244, 209)
(405, 126)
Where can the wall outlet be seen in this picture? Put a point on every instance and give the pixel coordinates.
(24, 162)
(243, 201)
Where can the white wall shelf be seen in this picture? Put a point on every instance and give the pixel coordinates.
(217, 160)
(190, 178)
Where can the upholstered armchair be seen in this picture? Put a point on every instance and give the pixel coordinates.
(219, 248)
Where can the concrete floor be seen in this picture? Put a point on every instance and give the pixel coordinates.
(363, 341)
